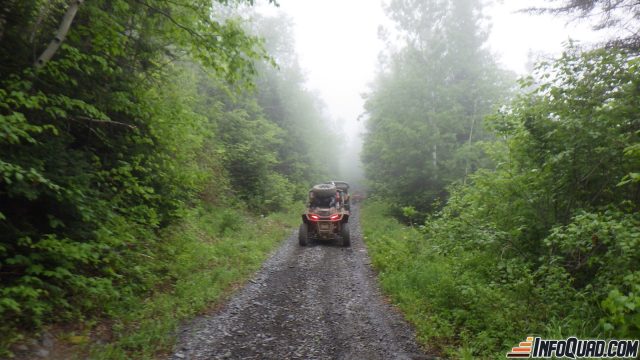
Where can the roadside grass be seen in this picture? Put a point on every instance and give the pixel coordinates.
(208, 255)
(455, 314)
(390, 246)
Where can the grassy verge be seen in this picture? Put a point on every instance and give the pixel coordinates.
(453, 312)
(390, 246)
(465, 302)
(204, 258)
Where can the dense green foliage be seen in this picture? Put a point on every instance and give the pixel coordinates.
(540, 231)
(427, 106)
(548, 242)
(204, 257)
(148, 110)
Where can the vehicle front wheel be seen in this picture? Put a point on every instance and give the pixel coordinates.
(346, 237)
(303, 234)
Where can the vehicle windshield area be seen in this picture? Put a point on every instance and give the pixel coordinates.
(322, 201)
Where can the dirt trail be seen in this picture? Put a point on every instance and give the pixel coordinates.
(315, 302)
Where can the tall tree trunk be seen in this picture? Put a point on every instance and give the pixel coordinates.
(435, 155)
(60, 34)
(473, 123)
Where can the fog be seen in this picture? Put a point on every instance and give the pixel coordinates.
(338, 44)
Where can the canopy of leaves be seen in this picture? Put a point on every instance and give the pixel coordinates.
(149, 108)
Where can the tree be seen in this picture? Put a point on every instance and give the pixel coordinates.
(309, 153)
(551, 231)
(623, 15)
(426, 107)
(554, 208)
(102, 146)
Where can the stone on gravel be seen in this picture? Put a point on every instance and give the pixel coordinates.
(42, 353)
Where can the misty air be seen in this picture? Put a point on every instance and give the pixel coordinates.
(306, 179)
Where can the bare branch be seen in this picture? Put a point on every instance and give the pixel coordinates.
(44, 12)
(109, 122)
(168, 16)
(60, 34)
(604, 14)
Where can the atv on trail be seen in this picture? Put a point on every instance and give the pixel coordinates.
(326, 217)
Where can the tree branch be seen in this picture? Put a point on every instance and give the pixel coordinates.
(110, 122)
(171, 19)
(60, 34)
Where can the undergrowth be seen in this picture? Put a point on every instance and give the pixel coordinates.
(206, 257)
(202, 260)
(470, 294)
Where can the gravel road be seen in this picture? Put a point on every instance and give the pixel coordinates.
(315, 302)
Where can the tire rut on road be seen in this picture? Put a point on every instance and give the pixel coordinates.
(314, 302)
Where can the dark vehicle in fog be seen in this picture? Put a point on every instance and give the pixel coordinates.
(326, 216)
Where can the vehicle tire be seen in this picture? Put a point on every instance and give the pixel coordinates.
(324, 190)
(303, 234)
(346, 237)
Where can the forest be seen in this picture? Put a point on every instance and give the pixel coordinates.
(520, 204)
(154, 139)
(142, 141)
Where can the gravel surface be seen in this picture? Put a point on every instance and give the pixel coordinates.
(314, 302)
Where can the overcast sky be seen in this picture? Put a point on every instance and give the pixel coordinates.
(338, 46)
